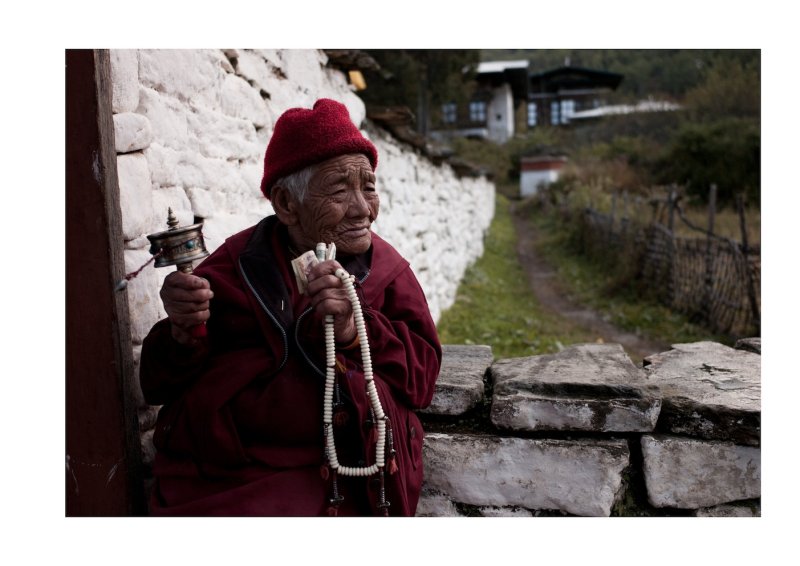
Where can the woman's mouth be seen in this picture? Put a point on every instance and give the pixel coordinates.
(356, 232)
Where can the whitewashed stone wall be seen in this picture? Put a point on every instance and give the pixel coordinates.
(434, 219)
(191, 128)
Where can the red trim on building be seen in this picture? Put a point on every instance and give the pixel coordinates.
(542, 163)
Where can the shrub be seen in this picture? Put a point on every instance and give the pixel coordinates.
(726, 152)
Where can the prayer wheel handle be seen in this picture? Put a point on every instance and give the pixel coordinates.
(180, 246)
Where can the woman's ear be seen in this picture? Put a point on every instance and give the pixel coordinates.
(284, 205)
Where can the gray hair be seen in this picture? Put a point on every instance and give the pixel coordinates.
(297, 183)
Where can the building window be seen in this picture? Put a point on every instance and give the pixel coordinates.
(567, 110)
(532, 117)
(449, 113)
(555, 117)
(477, 111)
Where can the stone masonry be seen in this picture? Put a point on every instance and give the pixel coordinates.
(585, 432)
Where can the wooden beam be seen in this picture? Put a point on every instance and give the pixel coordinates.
(103, 475)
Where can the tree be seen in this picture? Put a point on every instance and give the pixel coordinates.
(421, 79)
(726, 152)
(732, 87)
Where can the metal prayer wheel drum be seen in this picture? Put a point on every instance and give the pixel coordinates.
(178, 246)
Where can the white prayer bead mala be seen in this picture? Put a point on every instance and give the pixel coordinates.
(323, 253)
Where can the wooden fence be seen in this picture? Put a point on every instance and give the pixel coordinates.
(713, 279)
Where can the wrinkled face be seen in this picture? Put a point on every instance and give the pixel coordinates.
(340, 205)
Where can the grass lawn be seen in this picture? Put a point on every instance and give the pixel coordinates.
(495, 306)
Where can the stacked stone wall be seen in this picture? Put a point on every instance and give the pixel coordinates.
(585, 432)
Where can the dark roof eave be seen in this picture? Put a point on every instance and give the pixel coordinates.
(602, 78)
(516, 78)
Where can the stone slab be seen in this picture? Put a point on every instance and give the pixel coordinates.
(132, 132)
(709, 391)
(124, 80)
(578, 477)
(239, 100)
(504, 512)
(459, 387)
(686, 473)
(586, 387)
(749, 344)
(142, 294)
(432, 504)
(726, 510)
(135, 197)
(186, 74)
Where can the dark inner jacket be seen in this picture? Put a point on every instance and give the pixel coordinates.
(240, 431)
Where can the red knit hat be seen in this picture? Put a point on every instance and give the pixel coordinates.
(304, 137)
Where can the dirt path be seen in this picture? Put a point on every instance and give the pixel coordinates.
(546, 289)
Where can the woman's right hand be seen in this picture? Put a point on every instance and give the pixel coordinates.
(186, 299)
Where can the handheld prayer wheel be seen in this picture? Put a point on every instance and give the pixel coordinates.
(179, 246)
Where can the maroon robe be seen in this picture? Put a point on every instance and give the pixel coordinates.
(240, 431)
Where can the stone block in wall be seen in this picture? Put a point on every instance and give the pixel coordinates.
(578, 477)
(265, 79)
(240, 100)
(142, 293)
(291, 78)
(206, 131)
(163, 163)
(459, 387)
(255, 69)
(132, 132)
(432, 504)
(171, 198)
(134, 194)
(251, 174)
(224, 137)
(304, 68)
(170, 168)
(709, 391)
(504, 512)
(728, 510)
(187, 74)
(124, 80)
(169, 120)
(206, 203)
(689, 474)
(588, 387)
(749, 344)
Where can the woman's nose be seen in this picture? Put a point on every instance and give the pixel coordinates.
(358, 204)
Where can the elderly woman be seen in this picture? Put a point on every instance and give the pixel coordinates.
(241, 429)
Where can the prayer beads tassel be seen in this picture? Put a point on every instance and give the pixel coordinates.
(334, 415)
(391, 459)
